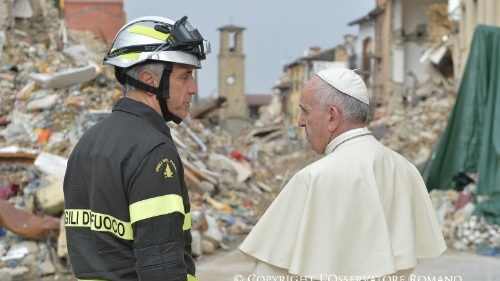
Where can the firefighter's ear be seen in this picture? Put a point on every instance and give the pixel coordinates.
(149, 78)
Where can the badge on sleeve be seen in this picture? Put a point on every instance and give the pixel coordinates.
(166, 166)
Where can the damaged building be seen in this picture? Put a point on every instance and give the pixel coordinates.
(393, 37)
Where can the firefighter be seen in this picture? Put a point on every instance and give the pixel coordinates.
(127, 211)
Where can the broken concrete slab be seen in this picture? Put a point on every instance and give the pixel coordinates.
(81, 55)
(15, 253)
(46, 268)
(223, 162)
(43, 103)
(51, 164)
(207, 187)
(66, 78)
(14, 274)
(51, 197)
(22, 9)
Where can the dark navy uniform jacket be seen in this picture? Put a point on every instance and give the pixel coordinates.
(127, 211)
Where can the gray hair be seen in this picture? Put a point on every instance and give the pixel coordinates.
(155, 67)
(352, 109)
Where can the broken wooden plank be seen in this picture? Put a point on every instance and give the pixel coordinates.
(200, 113)
(66, 78)
(26, 224)
(197, 172)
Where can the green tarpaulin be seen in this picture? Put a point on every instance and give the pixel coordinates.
(471, 140)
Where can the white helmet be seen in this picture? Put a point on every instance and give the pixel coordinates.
(159, 39)
(149, 39)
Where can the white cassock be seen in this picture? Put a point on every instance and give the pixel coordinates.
(361, 210)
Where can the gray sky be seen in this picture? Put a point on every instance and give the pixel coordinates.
(277, 31)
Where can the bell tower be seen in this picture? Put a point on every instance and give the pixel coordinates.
(232, 71)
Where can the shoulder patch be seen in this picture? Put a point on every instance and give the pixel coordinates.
(167, 165)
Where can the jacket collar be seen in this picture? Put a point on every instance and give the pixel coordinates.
(144, 111)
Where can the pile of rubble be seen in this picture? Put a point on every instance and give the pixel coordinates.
(49, 82)
(412, 131)
(461, 228)
(48, 79)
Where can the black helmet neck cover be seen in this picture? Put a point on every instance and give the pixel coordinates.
(162, 92)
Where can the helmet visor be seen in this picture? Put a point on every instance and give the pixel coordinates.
(184, 37)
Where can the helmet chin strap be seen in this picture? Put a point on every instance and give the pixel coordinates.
(162, 92)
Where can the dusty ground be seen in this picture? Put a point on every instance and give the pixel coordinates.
(451, 266)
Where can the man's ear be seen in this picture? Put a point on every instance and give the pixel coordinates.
(148, 77)
(334, 115)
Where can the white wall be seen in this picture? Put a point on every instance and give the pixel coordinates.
(397, 16)
(408, 15)
(397, 54)
(413, 52)
(398, 65)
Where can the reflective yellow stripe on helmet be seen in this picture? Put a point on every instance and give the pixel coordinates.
(98, 222)
(187, 221)
(130, 56)
(148, 31)
(156, 206)
(192, 278)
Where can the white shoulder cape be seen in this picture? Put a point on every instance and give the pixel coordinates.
(362, 210)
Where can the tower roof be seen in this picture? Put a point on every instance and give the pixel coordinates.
(231, 27)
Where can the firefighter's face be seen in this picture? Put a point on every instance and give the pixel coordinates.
(182, 88)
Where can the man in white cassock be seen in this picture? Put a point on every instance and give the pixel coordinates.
(360, 212)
